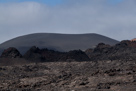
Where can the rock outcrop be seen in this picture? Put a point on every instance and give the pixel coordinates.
(133, 39)
(33, 54)
(77, 55)
(125, 50)
(11, 53)
(45, 55)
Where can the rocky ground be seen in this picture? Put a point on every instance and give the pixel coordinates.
(107, 75)
(104, 68)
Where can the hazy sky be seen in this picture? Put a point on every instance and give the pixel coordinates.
(112, 18)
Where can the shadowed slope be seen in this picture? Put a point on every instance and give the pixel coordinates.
(59, 42)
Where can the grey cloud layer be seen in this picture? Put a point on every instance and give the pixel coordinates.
(75, 16)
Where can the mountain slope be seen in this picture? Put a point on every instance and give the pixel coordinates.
(60, 42)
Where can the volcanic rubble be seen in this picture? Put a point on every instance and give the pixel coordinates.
(104, 68)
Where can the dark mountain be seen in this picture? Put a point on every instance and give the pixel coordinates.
(59, 42)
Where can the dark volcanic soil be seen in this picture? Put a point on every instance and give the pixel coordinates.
(106, 75)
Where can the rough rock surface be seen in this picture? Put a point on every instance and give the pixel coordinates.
(125, 50)
(11, 53)
(105, 75)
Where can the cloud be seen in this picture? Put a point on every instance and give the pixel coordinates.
(74, 16)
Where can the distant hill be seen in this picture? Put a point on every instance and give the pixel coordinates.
(59, 42)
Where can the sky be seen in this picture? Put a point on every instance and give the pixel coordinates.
(112, 18)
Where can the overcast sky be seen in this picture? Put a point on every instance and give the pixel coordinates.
(113, 18)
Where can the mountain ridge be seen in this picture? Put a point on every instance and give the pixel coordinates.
(56, 41)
